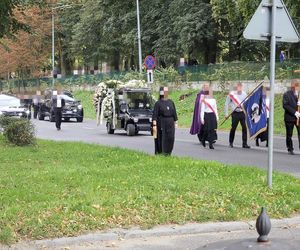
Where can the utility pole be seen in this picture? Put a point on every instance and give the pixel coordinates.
(139, 35)
(53, 50)
(272, 92)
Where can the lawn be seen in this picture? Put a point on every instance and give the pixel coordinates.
(185, 108)
(63, 189)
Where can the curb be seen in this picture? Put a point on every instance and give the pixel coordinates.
(170, 230)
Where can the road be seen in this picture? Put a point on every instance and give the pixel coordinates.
(185, 145)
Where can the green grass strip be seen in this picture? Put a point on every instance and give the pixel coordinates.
(64, 189)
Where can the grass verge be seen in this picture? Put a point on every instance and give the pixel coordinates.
(64, 189)
(185, 108)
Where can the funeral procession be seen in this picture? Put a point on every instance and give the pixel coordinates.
(150, 125)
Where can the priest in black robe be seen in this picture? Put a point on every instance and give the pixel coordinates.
(164, 123)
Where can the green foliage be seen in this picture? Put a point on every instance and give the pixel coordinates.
(19, 132)
(63, 189)
(5, 121)
(8, 24)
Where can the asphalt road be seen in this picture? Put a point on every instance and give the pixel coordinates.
(185, 145)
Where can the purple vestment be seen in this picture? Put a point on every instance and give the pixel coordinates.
(196, 124)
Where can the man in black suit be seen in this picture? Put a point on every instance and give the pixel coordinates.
(291, 115)
(57, 103)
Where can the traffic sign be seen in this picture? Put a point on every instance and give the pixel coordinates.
(150, 78)
(272, 22)
(259, 27)
(150, 62)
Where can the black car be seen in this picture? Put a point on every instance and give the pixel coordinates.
(134, 109)
(13, 107)
(72, 109)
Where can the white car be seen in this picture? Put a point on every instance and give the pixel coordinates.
(12, 107)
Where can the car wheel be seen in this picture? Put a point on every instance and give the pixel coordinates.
(41, 117)
(80, 119)
(110, 131)
(67, 119)
(130, 130)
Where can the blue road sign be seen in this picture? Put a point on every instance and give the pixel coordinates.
(150, 62)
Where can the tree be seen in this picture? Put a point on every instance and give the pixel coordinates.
(27, 53)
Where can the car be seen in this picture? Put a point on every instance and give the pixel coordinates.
(134, 109)
(72, 109)
(12, 107)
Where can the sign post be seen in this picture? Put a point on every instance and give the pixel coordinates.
(271, 22)
(150, 64)
(150, 78)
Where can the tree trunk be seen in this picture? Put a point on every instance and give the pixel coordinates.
(116, 60)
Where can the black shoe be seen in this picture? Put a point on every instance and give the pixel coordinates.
(231, 145)
(203, 143)
(246, 146)
(211, 146)
(291, 152)
(257, 143)
(58, 129)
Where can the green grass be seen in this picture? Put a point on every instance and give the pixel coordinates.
(86, 98)
(64, 189)
(185, 108)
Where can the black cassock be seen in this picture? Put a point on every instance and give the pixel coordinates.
(165, 116)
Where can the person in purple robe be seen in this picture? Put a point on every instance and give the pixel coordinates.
(196, 127)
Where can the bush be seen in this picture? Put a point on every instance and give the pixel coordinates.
(19, 132)
(5, 121)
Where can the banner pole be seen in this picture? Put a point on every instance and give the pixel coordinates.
(250, 94)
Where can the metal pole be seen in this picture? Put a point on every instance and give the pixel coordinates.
(272, 92)
(139, 35)
(53, 51)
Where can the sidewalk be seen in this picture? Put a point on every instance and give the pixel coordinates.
(285, 234)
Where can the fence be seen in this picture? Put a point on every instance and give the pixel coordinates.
(233, 71)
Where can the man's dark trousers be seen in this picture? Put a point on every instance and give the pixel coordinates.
(238, 117)
(289, 126)
(58, 117)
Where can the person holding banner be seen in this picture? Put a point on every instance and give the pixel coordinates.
(264, 135)
(209, 119)
(291, 104)
(234, 99)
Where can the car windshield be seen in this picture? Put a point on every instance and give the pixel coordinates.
(139, 100)
(9, 101)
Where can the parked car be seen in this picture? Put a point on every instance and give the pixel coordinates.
(134, 109)
(72, 109)
(12, 106)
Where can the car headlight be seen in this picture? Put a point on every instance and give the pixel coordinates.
(75, 110)
(79, 107)
(20, 114)
(135, 119)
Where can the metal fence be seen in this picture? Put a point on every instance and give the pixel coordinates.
(232, 71)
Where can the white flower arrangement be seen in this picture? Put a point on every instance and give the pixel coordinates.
(105, 93)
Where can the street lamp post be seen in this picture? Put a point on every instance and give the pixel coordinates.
(139, 35)
(53, 38)
(53, 50)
